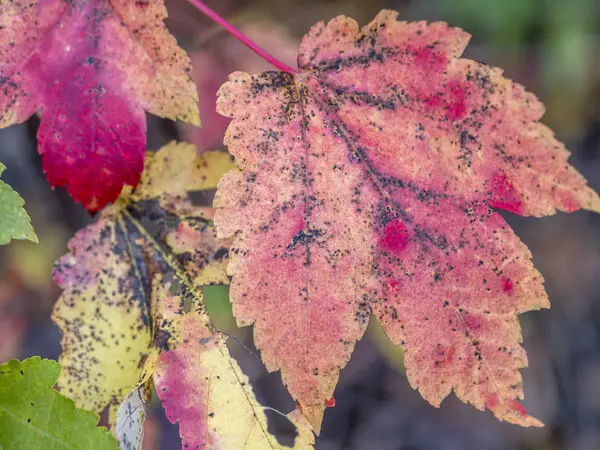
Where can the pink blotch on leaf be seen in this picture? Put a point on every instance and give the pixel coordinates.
(456, 102)
(330, 403)
(471, 321)
(508, 285)
(300, 225)
(518, 407)
(433, 101)
(395, 237)
(492, 402)
(568, 202)
(451, 100)
(443, 355)
(175, 396)
(504, 196)
(394, 284)
(429, 60)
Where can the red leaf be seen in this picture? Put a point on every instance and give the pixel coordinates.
(93, 68)
(390, 151)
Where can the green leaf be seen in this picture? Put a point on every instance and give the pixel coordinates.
(35, 416)
(14, 221)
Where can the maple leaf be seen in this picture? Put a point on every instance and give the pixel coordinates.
(368, 184)
(93, 68)
(104, 311)
(34, 416)
(14, 221)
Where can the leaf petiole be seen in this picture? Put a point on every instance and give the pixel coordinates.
(240, 36)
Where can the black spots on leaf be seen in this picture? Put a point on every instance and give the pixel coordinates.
(105, 233)
(297, 171)
(438, 240)
(356, 198)
(420, 132)
(466, 139)
(507, 158)
(117, 267)
(290, 93)
(335, 256)
(161, 338)
(425, 195)
(334, 65)
(372, 56)
(305, 238)
(271, 80)
(220, 253)
(482, 78)
(12, 91)
(272, 134)
(364, 98)
(365, 41)
(342, 95)
(393, 182)
(363, 312)
(137, 284)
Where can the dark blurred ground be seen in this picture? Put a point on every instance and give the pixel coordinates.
(550, 46)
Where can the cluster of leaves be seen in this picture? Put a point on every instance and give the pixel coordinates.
(132, 312)
(367, 183)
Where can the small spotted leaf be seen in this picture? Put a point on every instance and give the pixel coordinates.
(106, 306)
(202, 387)
(34, 416)
(93, 68)
(369, 184)
(129, 424)
(14, 221)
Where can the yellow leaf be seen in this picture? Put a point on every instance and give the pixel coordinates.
(202, 387)
(177, 168)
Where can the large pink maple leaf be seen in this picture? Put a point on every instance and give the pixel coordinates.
(368, 184)
(92, 67)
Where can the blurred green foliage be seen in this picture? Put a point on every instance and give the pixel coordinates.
(217, 303)
(552, 46)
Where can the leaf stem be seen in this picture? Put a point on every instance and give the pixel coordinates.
(240, 36)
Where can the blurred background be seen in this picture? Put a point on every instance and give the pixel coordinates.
(550, 46)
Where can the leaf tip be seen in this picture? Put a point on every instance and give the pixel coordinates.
(195, 118)
(314, 415)
(513, 412)
(594, 204)
(32, 237)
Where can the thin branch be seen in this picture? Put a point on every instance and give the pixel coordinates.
(239, 35)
